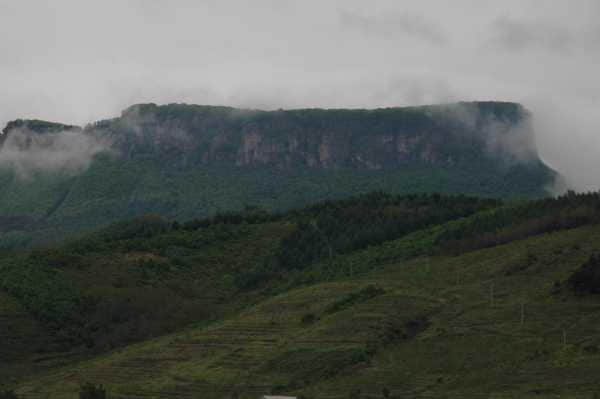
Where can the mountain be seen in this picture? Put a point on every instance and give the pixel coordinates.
(370, 297)
(184, 161)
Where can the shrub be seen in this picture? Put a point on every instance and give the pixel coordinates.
(353, 298)
(586, 279)
(308, 318)
(8, 395)
(355, 394)
(91, 391)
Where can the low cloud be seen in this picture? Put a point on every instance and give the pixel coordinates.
(519, 35)
(571, 140)
(412, 90)
(69, 151)
(392, 26)
(510, 140)
(592, 39)
(517, 141)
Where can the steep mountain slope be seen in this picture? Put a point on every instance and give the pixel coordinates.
(185, 161)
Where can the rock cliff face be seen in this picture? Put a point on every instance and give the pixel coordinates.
(443, 135)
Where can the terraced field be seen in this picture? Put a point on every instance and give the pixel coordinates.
(493, 323)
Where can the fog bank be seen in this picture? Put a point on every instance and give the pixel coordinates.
(69, 151)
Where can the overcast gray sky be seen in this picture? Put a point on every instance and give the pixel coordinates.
(77, 61)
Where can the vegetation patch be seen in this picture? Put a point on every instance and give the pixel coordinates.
(308, 319)
(510, 223)
(91, 391)
(309, 365)
(8, 395)
(586, 279)
(365, 294)
(338, 227)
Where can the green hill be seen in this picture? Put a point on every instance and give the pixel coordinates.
(145, 277)
(189, 161)
(454, 297)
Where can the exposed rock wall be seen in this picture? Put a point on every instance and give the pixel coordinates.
(369, 139)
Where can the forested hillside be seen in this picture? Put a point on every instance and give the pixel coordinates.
(374, 296)
(189, 161)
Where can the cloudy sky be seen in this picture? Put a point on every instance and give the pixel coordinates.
(78, 61)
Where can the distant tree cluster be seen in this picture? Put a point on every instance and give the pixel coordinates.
(330, 228)
(338, 227)
(509, 223)
(250, 215)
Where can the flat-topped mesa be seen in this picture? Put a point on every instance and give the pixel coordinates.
(38, 126)
(186, 161)
(30, 127)
(446, 135)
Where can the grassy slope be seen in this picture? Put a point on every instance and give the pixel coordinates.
(433, 333)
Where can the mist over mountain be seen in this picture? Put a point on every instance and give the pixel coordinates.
(184, 161)
(34, 146)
